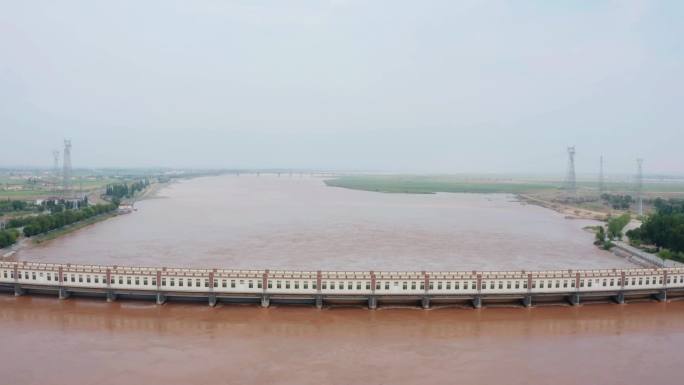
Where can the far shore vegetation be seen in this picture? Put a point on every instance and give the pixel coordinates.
(127, 190)
(43, 223)
(619, 197)
(664, 230)
(50, 217)
(418, 184)
(53, 234)
(588, 202)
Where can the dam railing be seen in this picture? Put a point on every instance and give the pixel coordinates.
(320, 287)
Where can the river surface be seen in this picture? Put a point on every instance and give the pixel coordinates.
(299, 223)
(44, 341)
(267, 222)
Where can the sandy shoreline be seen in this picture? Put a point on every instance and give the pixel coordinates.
(152, 191)
(570, 212)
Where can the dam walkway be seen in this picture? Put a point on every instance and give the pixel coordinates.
(373, 288)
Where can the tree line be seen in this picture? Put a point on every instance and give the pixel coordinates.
(9, 206)
(39, 224)
(126, 190)
(664, 228)
(8, 237)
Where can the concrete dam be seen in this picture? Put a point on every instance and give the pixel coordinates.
(372, 288)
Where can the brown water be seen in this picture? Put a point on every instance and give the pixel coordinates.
(266, 222)
(45, 341)
(299, 223)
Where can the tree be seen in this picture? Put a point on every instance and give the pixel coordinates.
(600, 236)
(8, 237)
(664, 228)
(616, 225)
(43, 223)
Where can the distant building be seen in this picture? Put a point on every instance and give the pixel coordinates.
(125, 208)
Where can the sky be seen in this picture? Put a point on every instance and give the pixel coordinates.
(400, 86)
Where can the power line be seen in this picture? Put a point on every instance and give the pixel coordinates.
(571, 180)
(66, 173)
(55, 169)
(602, 185)
(640, 186)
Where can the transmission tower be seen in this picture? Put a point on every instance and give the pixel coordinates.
(66, 172)
(602, 185)
(55, 169)
(639, 187)
(570, 181)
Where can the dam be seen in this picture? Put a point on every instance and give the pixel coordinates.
(320, 288)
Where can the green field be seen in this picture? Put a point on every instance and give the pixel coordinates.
(430, 184)
(625, 187)
(30, 191)
(416, 184)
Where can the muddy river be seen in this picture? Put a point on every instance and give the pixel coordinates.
(267, 222)
(299, 223)
(45, 341)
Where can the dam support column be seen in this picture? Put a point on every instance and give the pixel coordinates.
(111, 296)
(574, 299)
(63, 293)
(477, 302)
(620, 298)
(265, 300)
(161, 299)
(18, 291)
(372, 302)
(212, 300)
(661, 296)
(319, 294)
(425, 302)
(527, 301)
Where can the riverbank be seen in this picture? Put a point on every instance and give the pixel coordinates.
(570, 212)
(38, 239)
(9, 253)
(152, 191)
(526, 191)
(420, 184)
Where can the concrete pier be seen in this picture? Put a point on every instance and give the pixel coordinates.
(527, 301)
(111, 296)
(212, 300)
(63, 293)
(425, 302)
(18, 291)
(574, 299)
(661, 296)
(319, 301)
(265, 301)
(161, 299)
(620, 298)
(372, 302)
(477, 302)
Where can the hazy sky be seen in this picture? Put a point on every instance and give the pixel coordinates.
(437, 86)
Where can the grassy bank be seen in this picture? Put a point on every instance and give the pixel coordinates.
(433, 184)
(68, 229)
